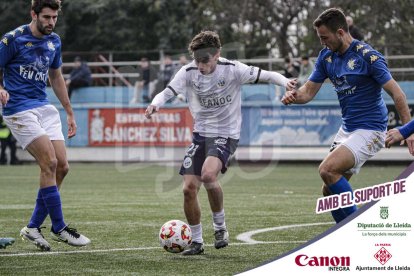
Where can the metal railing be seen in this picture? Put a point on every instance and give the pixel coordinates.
(105, 71)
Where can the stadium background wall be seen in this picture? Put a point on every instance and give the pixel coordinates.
(109, 129)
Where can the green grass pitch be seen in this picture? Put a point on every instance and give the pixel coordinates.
(121, 208)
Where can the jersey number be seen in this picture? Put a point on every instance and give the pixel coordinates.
(192, 150)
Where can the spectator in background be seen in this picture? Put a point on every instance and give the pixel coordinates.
(166, 73)
(146, 83)
(306, 68)
(7, 140)
(80, 76)
(354, 31)
(182, 60)
(292, 69)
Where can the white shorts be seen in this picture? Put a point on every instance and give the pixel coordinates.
(363, 143)
(28, 125)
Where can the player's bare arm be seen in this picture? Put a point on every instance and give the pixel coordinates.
(401, 133)
(410, 143)
(289, 97)
(59, 87)
(278, 79)
(151, 109)
(393, 136)
(291, 84)
(400, 101)
(159, 100)
(4, 95)
(302, 95)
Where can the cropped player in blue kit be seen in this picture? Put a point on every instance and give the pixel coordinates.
(29, 56)
(212, 86)
(357, 72)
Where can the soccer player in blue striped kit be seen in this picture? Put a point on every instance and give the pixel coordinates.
(357, 72)
(29, 56)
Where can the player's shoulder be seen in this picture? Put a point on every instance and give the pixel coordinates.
(53, 41)
(225, 62)
(365, 51)
(54, 36)
(12, 35)
(190, 67)
(325, 54)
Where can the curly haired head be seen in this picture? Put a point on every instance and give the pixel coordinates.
(204, 44)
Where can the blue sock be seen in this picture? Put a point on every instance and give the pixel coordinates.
(341, 186)
(53, 204)
(338, 215)
(39, 213)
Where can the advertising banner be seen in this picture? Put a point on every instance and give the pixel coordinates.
(375, 240)
(290, 125)
(273, 125)
(129, 127)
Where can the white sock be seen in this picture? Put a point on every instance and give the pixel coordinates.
(197, 233)
(219, 222)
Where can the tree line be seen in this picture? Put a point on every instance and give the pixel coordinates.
(260, 27)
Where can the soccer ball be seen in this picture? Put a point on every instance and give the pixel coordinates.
(175, 236)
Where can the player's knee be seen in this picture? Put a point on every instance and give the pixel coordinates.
(63, 169)
(49, 166)
(208, 177)
(325, 190)
(325, 171)
(190, 191)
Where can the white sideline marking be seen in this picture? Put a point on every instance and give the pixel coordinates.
(244, 237)
(247, 236)
(78, 251)
(122, 249)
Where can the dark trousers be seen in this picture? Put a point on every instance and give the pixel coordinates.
(75, 84)
(11, 143)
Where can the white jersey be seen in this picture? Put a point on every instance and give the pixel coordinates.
(215, 99)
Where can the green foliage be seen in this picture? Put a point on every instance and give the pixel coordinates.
(110, 25)
(260, 25)
(13, 14)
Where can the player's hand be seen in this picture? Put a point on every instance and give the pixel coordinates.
(71, 126)
(289, 97)
(393, 136)
(410, 143)
(151, 109)
(4, 96)
(292, 84)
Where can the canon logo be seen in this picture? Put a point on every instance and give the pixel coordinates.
(304, 260)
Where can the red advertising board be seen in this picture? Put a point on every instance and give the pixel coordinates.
(129, 127)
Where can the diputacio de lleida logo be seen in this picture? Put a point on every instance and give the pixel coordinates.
(384, 212)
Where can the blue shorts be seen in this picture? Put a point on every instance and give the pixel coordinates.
(202, 147)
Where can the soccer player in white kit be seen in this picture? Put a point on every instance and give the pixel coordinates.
(212, 86)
